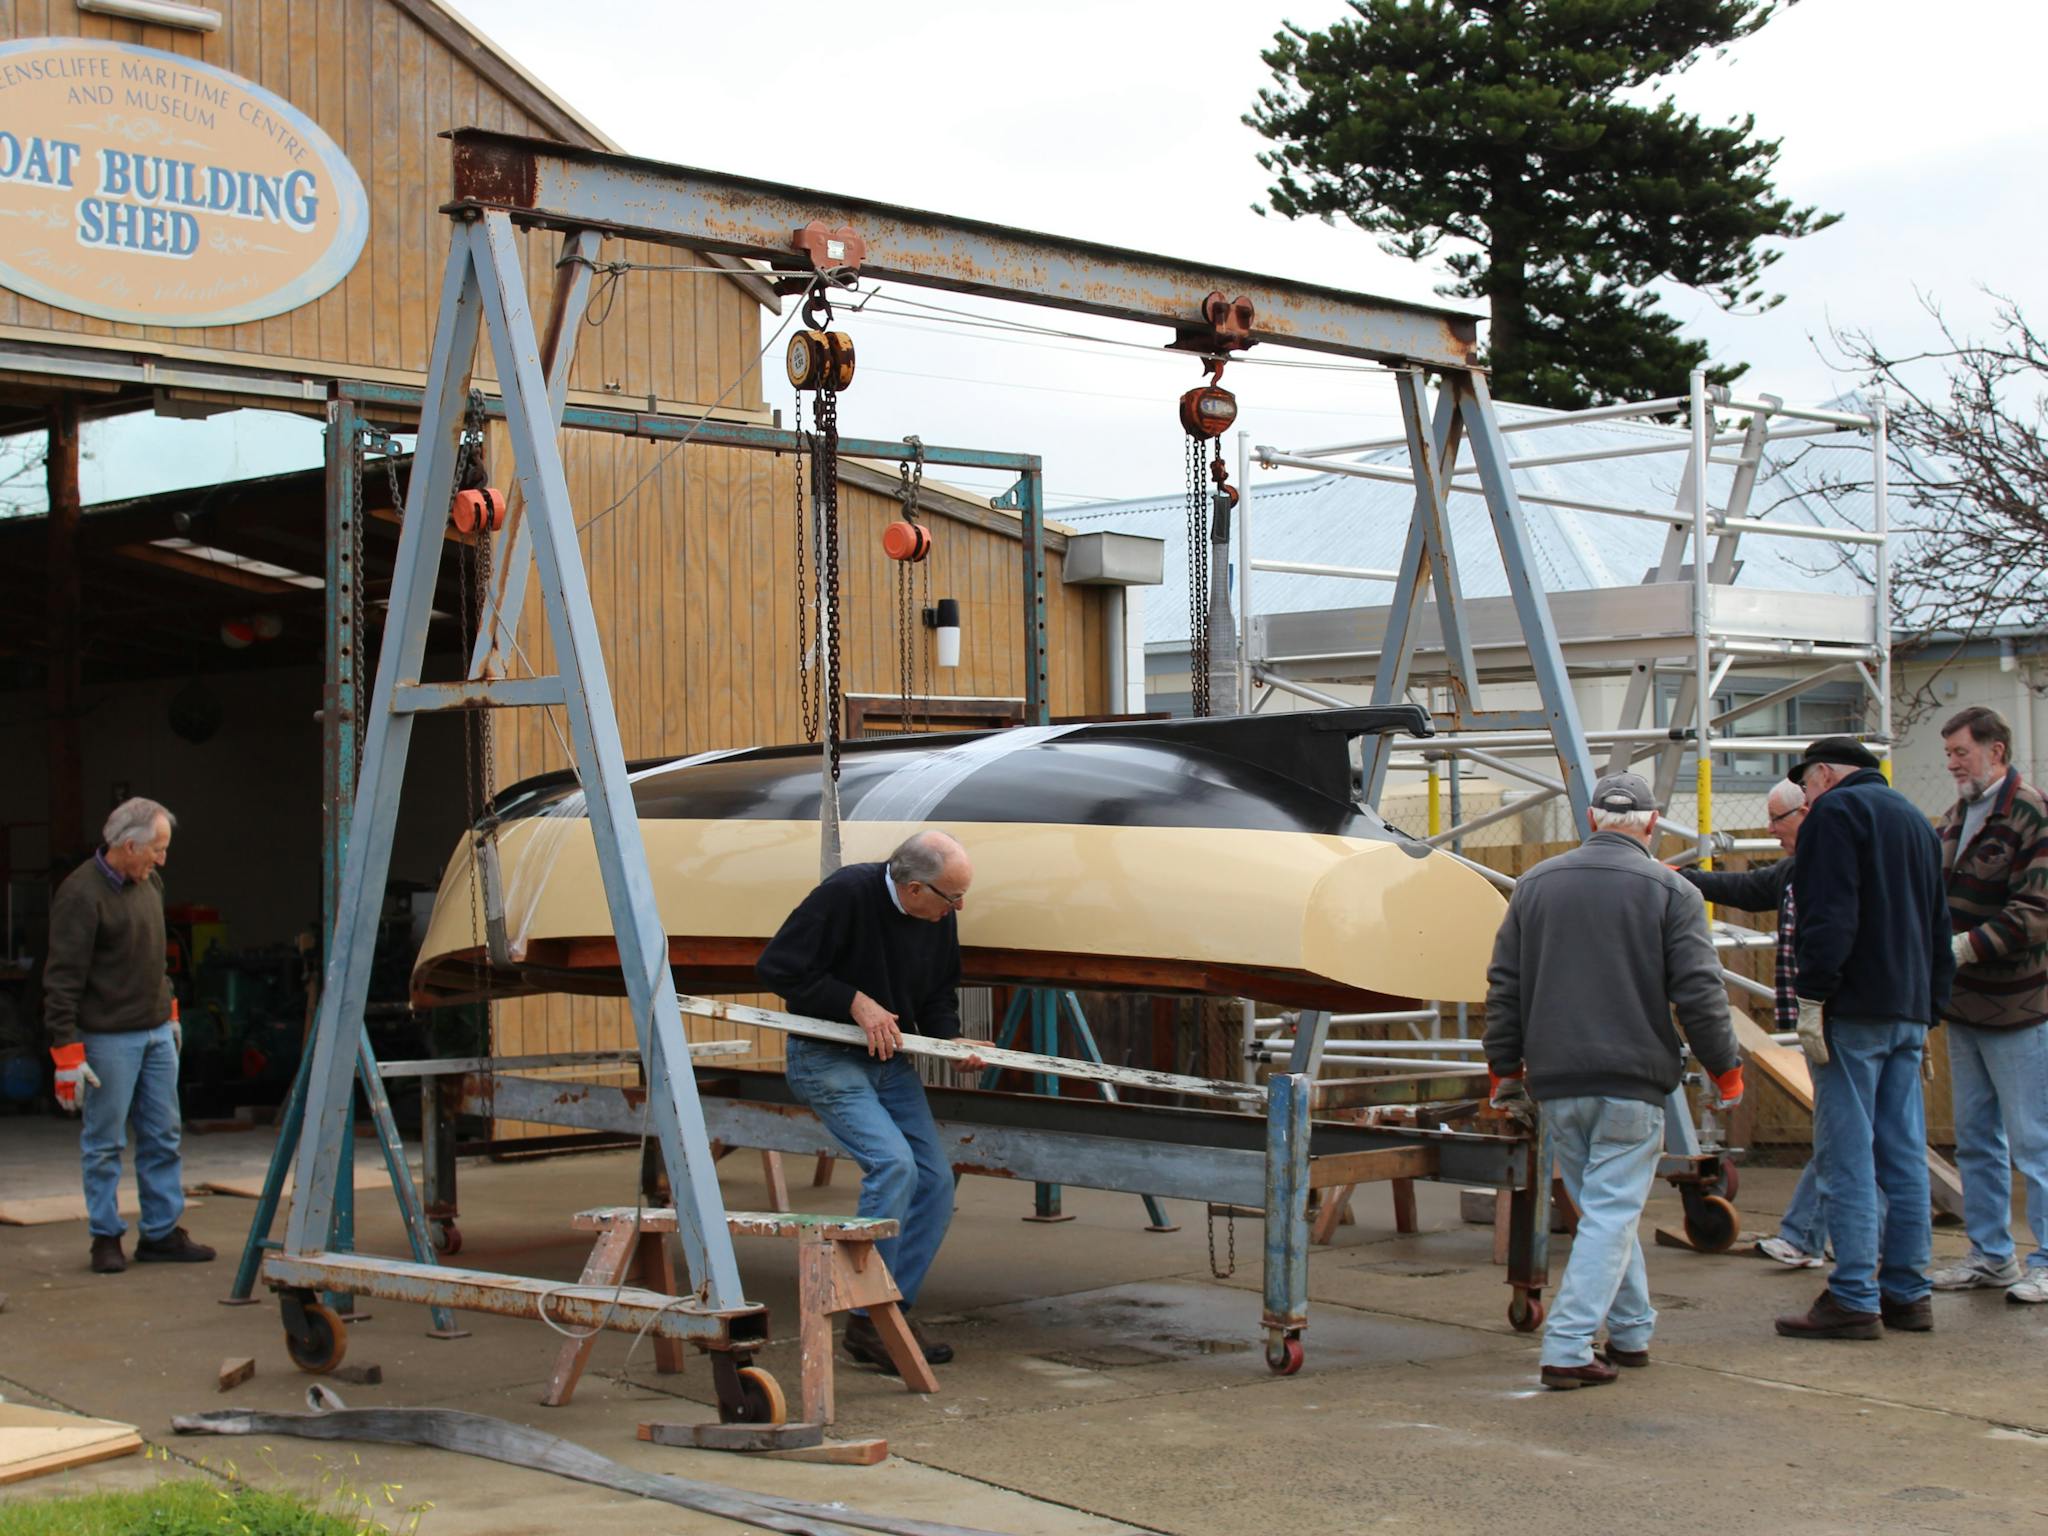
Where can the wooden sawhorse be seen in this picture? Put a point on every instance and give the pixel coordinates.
(837, 1268)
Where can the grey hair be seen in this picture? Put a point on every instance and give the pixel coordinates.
(1785, 793)
(1637, 822)
(134, 821)
(919, 857)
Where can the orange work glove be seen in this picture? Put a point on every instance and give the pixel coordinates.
(72, 1074)
(1728, 1088)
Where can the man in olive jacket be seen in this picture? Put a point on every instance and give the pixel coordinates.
(1994, 861)
(107, 1004)
(1599, 946)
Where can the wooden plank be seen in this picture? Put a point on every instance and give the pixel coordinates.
(233, 1372)
(734, 1437)
(838, 1453)
(814, 1330)
(958, 1050)
(1370, 1166)
(35, 1441)
(654, 1264)
(43, 1210)
(902, 1347)
(778, 1186)
(609, 1257)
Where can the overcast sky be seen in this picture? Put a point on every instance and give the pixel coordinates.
(1119, 121)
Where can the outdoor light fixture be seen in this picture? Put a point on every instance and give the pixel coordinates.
(165, 13)
(944, 620)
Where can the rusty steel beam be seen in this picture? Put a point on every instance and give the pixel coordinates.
(560, 186)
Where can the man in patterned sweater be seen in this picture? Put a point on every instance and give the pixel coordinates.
(1994, 860)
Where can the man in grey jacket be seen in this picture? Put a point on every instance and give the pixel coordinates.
(1598, 947)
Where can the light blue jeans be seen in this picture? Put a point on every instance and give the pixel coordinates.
(1803, 1226)
(878, 1112)
(138, 1091)
(1607, 1151)
(2000, 1078)
(1870, 1147)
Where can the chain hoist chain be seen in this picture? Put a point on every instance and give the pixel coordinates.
(912, 482)
(1198, 577)
(805, 532)
(931, 644)
(825, 480)
(1230, 1230)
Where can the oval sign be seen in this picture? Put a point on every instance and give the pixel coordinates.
(144, 186)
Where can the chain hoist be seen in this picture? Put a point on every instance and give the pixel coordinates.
(820, 360)
(1206, 413)
(908, 542)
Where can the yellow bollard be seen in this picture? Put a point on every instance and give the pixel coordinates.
(1884, 766)
(1436, 801)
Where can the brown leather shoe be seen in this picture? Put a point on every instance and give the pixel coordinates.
(863, 1341)
(1827, 1318)
(174, 1247)
(1564, 1378)
(107, 1258)
(1907, 1316)
(1632, 1359)
(936, 1352)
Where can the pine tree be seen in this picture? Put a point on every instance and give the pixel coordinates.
(1528, 135)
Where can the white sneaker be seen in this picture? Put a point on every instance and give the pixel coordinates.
(1976, 1273)
(2032, 1289)
(1791, 1255)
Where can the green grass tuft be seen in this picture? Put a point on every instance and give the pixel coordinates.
(192, 1507)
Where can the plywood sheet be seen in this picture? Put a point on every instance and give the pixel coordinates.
(34, 1441)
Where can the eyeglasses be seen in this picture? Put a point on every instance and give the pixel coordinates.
(955, 902)
(1797, 810)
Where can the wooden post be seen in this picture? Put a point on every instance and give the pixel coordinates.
(68, 837)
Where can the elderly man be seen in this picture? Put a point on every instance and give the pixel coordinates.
(108, 1005)
(1802, 1240)
(1598, 947)
(1994, 855)
(1874, 974)
(878, 945)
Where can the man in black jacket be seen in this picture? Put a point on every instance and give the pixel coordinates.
(878, 945)
(1875, 967)
(1802, 1240)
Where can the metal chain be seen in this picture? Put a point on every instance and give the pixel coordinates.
(807, 704)
(825, 482)
(906, 585)
(1198, 576)
(931, 644)
(1230, 1228)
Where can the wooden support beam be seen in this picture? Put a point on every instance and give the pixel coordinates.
(64, 631)
(1341, 1168)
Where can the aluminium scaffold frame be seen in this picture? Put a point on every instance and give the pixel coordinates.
(502, 183)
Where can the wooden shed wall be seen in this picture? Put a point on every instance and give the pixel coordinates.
(385, 87)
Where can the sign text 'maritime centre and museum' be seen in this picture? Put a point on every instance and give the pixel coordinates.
(143, 186)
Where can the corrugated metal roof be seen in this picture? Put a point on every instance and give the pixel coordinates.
(1343, 520)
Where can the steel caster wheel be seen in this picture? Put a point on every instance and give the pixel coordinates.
(1711, 1224)
(1284, 1356)
(1525, 1312)
(759, 1400)
(327, 1342)
(446, 1238)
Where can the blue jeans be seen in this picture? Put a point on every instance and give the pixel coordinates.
(2000, 1078)
(1870, 1146)
(1803, 1226)
(1607, 1151)
(877, 1111)
(138, 1091)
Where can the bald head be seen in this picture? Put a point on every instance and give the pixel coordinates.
(931, 872)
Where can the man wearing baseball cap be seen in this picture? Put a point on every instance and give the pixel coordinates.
(1874, 969)
(1598, 947)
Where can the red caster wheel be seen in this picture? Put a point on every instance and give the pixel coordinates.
(1285, 1357)
(1525, 1312)
(1711, 1224)
(326, 1340)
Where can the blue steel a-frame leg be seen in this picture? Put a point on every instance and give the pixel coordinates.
(484, 288)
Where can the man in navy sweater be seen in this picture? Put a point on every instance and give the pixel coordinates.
(878, 945)
(1875, 967)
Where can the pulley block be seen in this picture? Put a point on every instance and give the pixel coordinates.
(1207, 410)
(820, 360)
(903, 540)
(479, 509)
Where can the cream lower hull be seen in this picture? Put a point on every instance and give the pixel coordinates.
(1289, 917)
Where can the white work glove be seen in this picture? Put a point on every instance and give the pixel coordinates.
(1964, 951)
(1811, 1038)
(74, 1073)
